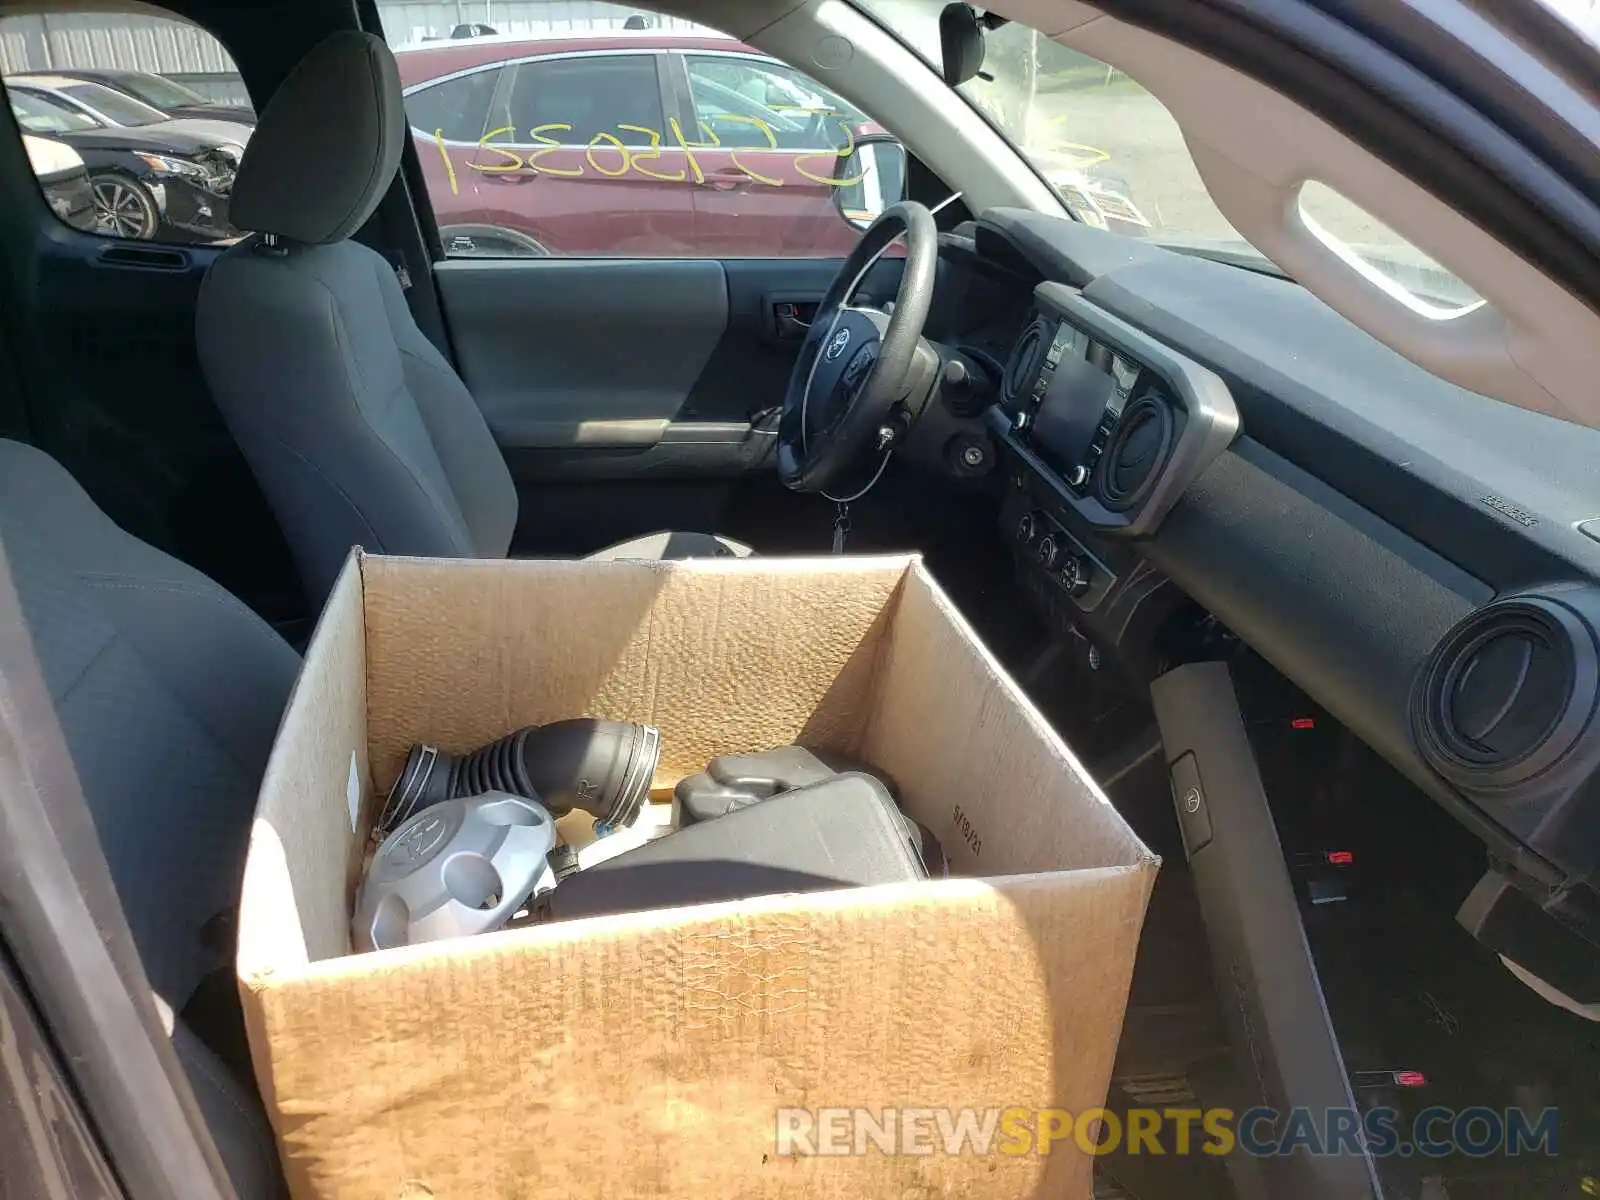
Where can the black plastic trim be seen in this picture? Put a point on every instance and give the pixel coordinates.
(1546, 800)
(1111, 493)
(1449, 751)
(1509, 921)
(1332, 596)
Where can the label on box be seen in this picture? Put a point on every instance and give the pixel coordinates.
(969, 832)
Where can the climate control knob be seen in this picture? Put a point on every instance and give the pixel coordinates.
(1050, 552)
(1074, 575)
(1027, 528)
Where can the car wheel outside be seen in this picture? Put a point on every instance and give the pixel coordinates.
(124, 207)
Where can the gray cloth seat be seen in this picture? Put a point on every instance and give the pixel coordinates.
(358, 429)
(168, 692)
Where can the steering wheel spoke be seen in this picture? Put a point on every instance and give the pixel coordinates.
(856, 362)
(866, 312)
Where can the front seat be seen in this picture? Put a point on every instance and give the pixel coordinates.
(168, 692)
(357, 428)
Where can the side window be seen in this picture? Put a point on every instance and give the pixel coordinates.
(577, 100)
(134, 123)
(602, 138)
(453, 109)
(757, 103)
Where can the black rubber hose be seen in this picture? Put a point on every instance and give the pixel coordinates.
(601, 767)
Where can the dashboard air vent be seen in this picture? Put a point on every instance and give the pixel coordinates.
(1026, 359)
(1507, 693)
(1135, 454)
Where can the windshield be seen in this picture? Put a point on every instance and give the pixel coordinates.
(162, 93)
(38, 115)
(1118, 159)
(114, 106)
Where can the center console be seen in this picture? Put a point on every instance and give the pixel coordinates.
(1113, 423)
(1103, 428)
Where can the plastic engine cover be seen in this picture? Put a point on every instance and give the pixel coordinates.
(736, 780)
(842, 832)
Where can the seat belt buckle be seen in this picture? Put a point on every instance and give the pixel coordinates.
(401, 272)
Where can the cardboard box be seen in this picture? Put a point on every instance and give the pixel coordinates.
(651, 1054)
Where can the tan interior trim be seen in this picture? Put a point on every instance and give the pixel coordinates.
(1533, 344)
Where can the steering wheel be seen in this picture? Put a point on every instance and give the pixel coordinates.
(857, 364)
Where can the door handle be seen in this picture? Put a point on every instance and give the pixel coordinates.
(729, 179)
(509, 176)
(791, 319)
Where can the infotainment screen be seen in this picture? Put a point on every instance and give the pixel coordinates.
(1070, 412)
(1081, 392)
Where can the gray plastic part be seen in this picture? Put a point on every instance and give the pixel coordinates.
(552, 352)
(1284, 1047)
(734, 781)
(454, 869)
(1194, 817)
(845, 832)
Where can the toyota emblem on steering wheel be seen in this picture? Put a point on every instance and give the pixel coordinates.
(837, 344)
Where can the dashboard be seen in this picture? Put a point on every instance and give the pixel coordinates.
(1420, 560)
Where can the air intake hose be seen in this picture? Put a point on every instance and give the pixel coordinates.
(602, 767)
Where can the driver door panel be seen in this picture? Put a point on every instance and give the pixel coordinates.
(632, 368)
(630, 395)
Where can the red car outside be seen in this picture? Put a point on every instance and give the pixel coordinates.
(642, 145)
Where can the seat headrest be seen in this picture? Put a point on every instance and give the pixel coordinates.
(327, 146)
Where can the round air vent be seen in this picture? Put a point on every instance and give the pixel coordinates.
(1507, 693)
(1026, 359)
(1135, 454)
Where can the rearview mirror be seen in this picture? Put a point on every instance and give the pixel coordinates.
(961, 32)
(868, 179)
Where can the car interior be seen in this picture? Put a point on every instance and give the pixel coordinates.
(1312, 587)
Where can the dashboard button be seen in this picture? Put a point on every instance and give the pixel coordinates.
(1075, 575)
(1078, 476)
(1050, 552)
(1027, 528)
(1194, 817)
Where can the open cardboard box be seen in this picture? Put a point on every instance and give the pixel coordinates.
(651, 1054)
